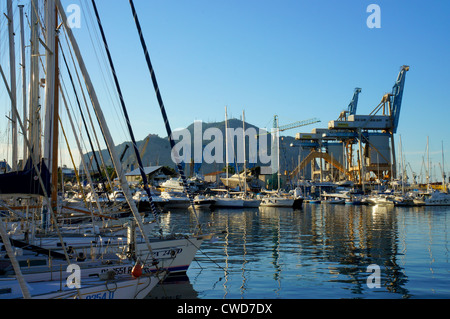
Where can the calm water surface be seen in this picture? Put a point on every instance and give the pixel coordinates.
(320, 251)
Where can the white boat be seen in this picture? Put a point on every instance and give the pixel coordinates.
(175, 201)
(380, 200)
(228, 201)
(436, 198)
(201, 201)
(143, 203)
(251, 202)
(117, 196)
(276, 201)
(176, 185)
(107, 287)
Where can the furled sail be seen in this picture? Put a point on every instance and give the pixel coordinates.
(26, 181)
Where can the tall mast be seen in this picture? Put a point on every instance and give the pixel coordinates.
(226, 144)
(245, 166)
(428, 163)
(33, 109)
(12, 66)
(51, 98)
(24, 82)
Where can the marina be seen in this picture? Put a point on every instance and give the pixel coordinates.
(94, 204)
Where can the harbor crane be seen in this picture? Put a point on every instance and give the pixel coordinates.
(374, 130)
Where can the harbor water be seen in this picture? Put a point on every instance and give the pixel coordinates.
(321, 251)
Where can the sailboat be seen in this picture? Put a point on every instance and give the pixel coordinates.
(276, 200)
(226, 200)
(248, 201)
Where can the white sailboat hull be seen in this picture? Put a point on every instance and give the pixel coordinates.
(229, 202)
(122, 288)
(277, 202)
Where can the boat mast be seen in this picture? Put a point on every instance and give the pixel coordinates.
(245, 166)
(226, 145)
(33, 109)
(51, 101)
(428, 163)
(24, 82)
(12, 67)
(444, 188)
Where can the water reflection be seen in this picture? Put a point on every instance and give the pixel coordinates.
(321, 251)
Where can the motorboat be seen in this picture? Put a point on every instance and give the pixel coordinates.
(175, 200)
(436, 198)
(201, 201)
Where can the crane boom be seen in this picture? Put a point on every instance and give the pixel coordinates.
(354, 102)
(292, 125)
(397, 95)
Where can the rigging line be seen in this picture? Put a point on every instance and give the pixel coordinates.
(163, 112)
(74, 165)
(90, 118)
(65, 93)
(82, 90)
(84, 122)
(106, 76)
(104, 127)
(119, 91)
(79, 132)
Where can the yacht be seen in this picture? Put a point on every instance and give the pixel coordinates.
(175, 200)
(143, 203)
(436, 198)
(176, 185)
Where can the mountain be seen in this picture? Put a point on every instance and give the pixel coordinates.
(157, 150)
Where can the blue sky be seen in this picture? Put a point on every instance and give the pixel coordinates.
(296, 59)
